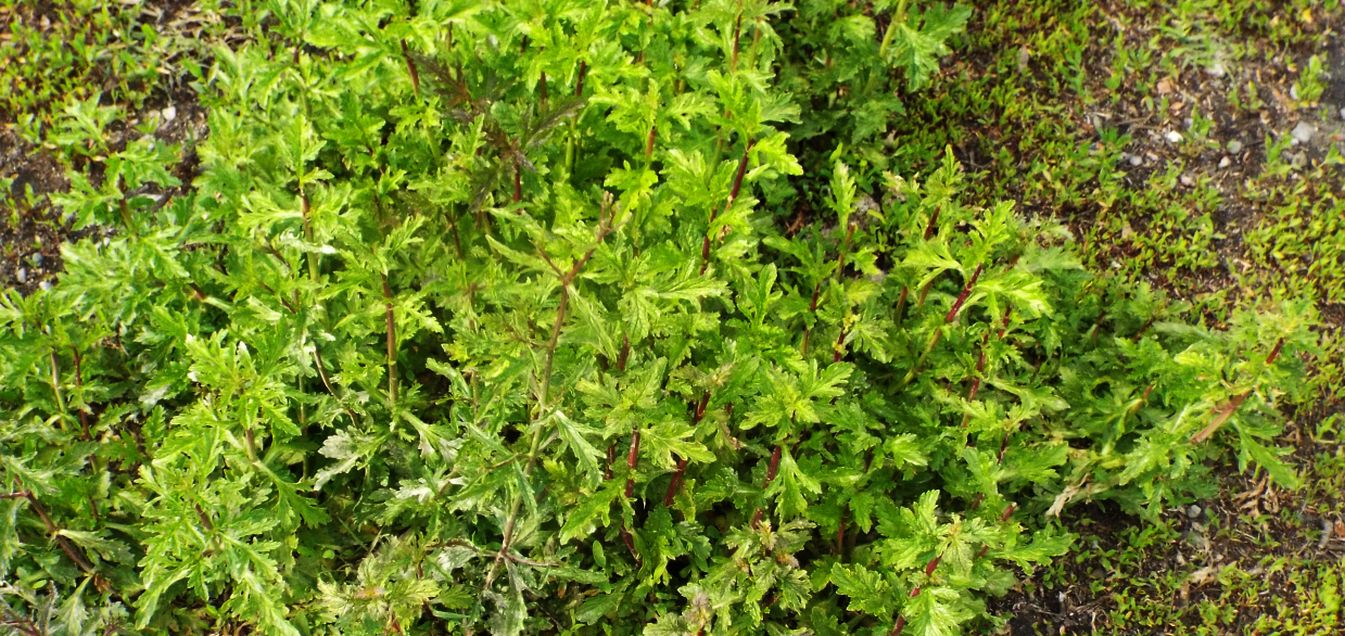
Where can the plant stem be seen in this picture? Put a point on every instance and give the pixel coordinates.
(54, 531)
(962, 298)
(411, 68)
(391, 328)
(673, 486)
(980, 361)
(771, 469)
(812, 309)
(624, 355)
(1224, 412)
(543, 400)
(79, 386)
(733, 194)
(632, 463)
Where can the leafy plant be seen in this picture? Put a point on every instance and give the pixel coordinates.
(502, 318)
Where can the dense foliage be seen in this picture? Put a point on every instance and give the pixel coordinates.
(572, 317)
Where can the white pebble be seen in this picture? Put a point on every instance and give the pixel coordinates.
(1187, 180)
(1235, 146)
(169, 114)
(21, 275)
(1173, 137)
(1304, 132)
(1135, 160)
(1225, 162)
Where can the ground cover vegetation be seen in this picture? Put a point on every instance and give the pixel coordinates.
(551, 317)
(1194, 146)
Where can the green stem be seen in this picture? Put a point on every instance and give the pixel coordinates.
(391, 330)
(543, 397)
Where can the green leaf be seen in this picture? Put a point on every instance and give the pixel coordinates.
(575, 438)
(588, 512)
(936, 611)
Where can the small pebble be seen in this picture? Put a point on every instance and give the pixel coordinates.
(1187, 180)
(1173, 137)
(1342, 113)
(1304, 132)
(1225, 162)
(44, 285)
(1216, 70)
(1235, 146)
(21, 275)
(1193, 511)
(1135, 160)
(169, 114)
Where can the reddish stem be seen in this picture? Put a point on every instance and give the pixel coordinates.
(632, 461)
(738, 177)
(1275, 352)
(676, 484)
(933, 224)
(933, 563)
(980, 369)
(629, 542)
(737, 33)
(411, 67)
(771, 470)
(1008, 312)
(733, 194)
(962, 298)
(624, 355)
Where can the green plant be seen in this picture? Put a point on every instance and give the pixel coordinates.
(1311, 82)
(540, 316)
